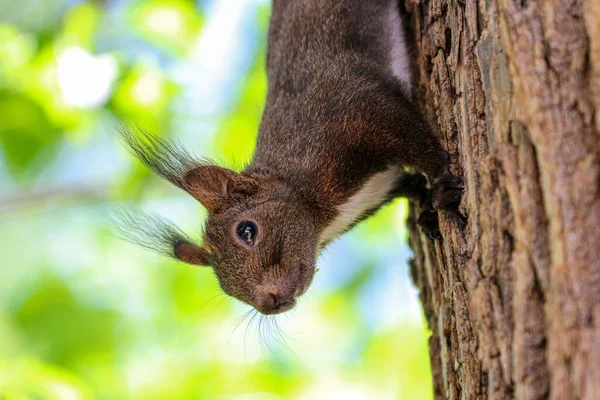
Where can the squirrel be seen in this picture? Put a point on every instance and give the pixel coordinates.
(338, 133)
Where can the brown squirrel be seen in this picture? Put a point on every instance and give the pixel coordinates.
(338, 130)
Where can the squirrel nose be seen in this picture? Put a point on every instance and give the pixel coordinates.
(274, 303)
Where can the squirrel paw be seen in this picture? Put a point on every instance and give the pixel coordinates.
(411, 186)
(447, 191)
(446, 194)
(417, 181)
(461, 220)
(428, 221)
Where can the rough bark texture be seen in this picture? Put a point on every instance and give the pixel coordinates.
(513, 299)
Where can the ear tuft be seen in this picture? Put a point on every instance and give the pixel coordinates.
(154, 233)
(164, 157)
(207, 183)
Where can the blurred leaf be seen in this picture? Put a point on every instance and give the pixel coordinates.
(16, 51)
(171, 24)
(134, 182)
(63, 328)
(143, 96)
(28, 139)
(406, 352)
(377, 228)
(33, 379)
(43, 87)
(80, 24)
(190, 291)
(237, 136)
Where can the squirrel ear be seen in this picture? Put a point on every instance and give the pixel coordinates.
(191, 254)
(210, 185)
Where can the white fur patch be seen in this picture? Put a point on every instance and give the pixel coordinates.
(399, 56)
(368, 196)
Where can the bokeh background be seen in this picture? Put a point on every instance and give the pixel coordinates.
(84, 315)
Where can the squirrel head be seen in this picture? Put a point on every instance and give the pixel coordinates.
(260, 241)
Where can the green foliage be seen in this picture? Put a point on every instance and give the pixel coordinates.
(86, 316)
(171, 24)
(28, 139)
(237, 136)
(143, 94)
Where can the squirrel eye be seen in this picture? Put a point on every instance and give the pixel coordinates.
(247, 232)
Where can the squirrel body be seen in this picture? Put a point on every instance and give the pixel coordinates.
(338, 132)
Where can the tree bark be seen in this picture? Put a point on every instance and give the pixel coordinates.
(513, 299)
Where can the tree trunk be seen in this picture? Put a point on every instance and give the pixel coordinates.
(513, 299)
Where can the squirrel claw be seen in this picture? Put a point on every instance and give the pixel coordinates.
(447, 191)
(428, 221)
(461, 220)
(433, 235)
